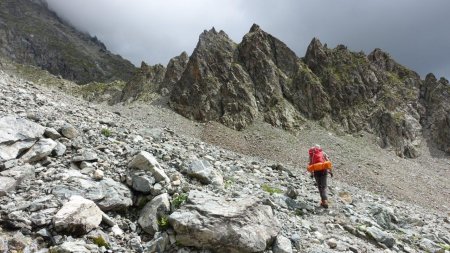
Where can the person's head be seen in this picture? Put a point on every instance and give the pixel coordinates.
(317, 146)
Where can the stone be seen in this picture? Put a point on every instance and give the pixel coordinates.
(69, 131)
(153, 211)
(159, 244)
(107, 193)
(225, 225)
(20, 173)
(332, 243)
(52, 133)
(204, 172)
(12, 151)
(428, 245)
(345, 197)
(142, 183)
(77, 246)
(7, 184)
(385, 217)
(13, 129)
(85, 155)
(380, 236)
(292, 192)
(146, 161)
(282, 245)
(39, 150)
(78, 216)
(59, 150)
(98, 174)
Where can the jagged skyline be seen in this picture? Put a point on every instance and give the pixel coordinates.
(413, 32)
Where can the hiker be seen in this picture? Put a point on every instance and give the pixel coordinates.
(316, 155)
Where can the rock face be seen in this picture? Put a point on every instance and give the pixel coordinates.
(174, 70)
(238, 225)
(78, 216)
(345, 91)
(145, 82)
(435, 95)
(31, 33)
(214, 86)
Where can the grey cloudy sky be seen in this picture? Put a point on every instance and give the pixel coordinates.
(415, 32)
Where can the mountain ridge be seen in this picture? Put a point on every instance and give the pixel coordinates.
(33, 34)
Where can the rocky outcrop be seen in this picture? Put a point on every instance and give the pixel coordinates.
(78, 216)
(435, 96)
(145, 83)
(214, 86)
(371, 93)
(234, 225)
(30, 33)
(174, 70)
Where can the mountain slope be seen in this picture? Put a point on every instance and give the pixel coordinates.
(30, 33)
(346, 92)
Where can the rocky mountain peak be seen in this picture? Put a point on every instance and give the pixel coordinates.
(315, 54)
(255, 28)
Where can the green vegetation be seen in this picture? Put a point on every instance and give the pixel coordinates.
(228, 183)
(270, 189)
(179, 200)
(163, 222)
(106, 132)
(100, 241)
(299, 212)
(444, 246)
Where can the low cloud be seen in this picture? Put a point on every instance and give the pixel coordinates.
(414, 32)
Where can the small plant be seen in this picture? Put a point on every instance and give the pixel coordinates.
(444, 246)
(100, 241)
(106, 132)
(163, 222)
(299, 212)
(179, 200)
(228, 183)
(270, 189)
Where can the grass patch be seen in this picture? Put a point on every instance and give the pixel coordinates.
(228, 183)
(100, 241)
(163, 222)
(179, 200)
(106, 132)
(271, 190)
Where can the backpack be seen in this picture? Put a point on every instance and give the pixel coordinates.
(316, 155)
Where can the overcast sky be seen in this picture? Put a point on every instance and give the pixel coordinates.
(415, 32)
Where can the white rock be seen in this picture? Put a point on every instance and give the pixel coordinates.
(78, 216)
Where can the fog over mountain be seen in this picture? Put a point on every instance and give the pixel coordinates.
(414, 32)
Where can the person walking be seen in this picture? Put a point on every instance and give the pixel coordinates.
(317, 155)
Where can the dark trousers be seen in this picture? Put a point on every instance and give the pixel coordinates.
(321, 180)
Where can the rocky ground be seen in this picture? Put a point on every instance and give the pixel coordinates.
(79, 177)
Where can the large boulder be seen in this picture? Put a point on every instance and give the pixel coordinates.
(204, 172)
(13, 129)
(78, 216)
(146, 161)
(158, 208)
(223, 224)
(107, 193)
(39, 150)
(17, 135)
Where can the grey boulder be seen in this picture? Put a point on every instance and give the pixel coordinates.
(225, 225)
(146, 161)
(154, 210)
(39, 150)
(204, 172)
(78, 216)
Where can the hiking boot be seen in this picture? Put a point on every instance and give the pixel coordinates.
(324, 203)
